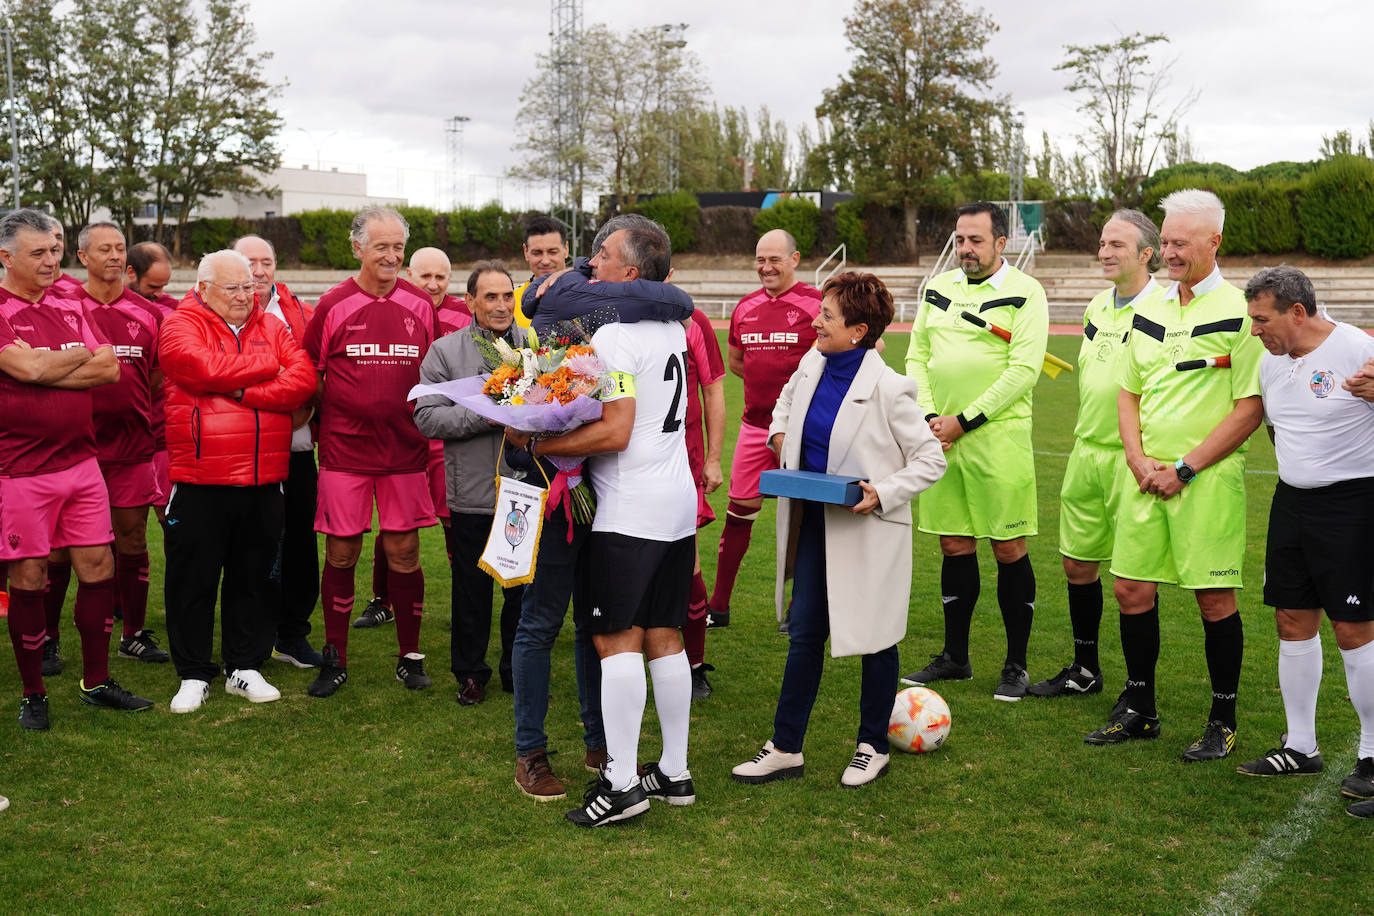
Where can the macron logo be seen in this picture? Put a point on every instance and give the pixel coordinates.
(1353, 599)
(596, 612)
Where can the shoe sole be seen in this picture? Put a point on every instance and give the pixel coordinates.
(1208, 759)
(290, 660)
(912, 682)
(143, 658)
(325, 693)
(634, 810)
(1347, 793)
(1050, 693)
(857, 785)
(1008, 698)
(1284, 773)
(180, 711)
(789, 773)
(539, 798)
(680, 801)
(239, 692)
(1108, 742)
(90, 702)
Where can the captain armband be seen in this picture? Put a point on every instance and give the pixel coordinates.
(620, 385)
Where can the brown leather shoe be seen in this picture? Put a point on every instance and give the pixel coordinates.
(534, 776)
(471, 693)
(595, 761)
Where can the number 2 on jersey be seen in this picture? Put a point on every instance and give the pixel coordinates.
(675, 370)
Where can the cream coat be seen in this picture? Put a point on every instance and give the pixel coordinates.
(880, 435)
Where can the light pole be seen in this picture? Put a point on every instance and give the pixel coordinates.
(14, 128)
(317, 144)
(673, 39)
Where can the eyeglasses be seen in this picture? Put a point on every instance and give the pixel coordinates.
(233, 289)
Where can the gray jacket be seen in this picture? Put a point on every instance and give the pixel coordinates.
(472, 446)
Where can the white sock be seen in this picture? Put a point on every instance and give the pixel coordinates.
(623, 690)
(673, 700)
(1300, 676)
(1359, 678)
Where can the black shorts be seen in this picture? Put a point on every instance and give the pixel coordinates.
(628, 582)
(1321, 549)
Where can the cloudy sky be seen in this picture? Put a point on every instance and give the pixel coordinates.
(371, 92)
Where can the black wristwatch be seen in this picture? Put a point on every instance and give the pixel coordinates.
(1184, 470)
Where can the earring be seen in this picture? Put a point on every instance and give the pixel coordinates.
(853, 340)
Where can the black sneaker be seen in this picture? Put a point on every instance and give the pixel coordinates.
(1124, 725)
(717, 620)
(112, 696)
(701, 688)
(941, 668)
(601, 805)
(1072, 681)
(297, 652)
(1013, 684)
(331, 677)
(678, 791)
(1216, 742)
(1361, 808)
(374, 615)
(411, 672)
(1283, 761)
(143, 647)
(33, 712)
(1360, 782)
(52, 657)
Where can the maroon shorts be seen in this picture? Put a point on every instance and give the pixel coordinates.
(344, 508)
(133, 485)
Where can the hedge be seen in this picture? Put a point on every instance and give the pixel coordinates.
(678, 213)
(1337, 208)
(797, 215)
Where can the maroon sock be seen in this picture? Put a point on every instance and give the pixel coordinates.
(380, 575)
(336, 598)
(131, 572)
(408, 604)
(448, 541)
(4, 574)
(59, 575)
(94, 621)
(694, 633)
(734, 542)
(27, 633)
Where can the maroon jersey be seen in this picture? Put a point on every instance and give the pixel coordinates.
(704, 366)
(164, 305)
(370, 350)
(774, 334)
(68, 286)
(44, 429)
(453, 314)
(124, 410)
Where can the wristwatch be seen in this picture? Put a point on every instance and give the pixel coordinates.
(1184, 470)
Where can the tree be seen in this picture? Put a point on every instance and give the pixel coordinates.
(1121, 85)
(907, 111)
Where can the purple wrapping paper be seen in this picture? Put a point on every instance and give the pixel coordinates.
(528, 418)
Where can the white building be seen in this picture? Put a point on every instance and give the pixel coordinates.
(296, 190)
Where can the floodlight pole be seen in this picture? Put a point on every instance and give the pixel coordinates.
(14, 128)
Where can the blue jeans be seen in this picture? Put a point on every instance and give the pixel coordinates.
(807, 632)
(541, 617)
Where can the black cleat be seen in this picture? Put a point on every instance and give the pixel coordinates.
(1012, 686)
(1360, 782)
(717, 620)
(374, 615)
(52, 657)
(941, 668)
(112, 696)
(678, 791)
(143, 647)
(601, 805)
(701, 688)
(331, 677)
(1218, 739)
(1361, 808)
(1072, 681)
(33, 712)
(411, 672)
(1124, 725)
(1283, 761)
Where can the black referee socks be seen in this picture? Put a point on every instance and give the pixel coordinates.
(1225, 646)
(1085, 616)
(1140, 646)
(959, 588)
(1016, 597)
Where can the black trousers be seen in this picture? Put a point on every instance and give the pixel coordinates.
(296, 575)
(214, 530)
(471, 607)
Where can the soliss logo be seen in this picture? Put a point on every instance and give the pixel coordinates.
(372, 349)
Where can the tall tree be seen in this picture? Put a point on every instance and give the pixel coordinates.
(909, 109)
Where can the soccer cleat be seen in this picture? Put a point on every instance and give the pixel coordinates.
(190, 696)
(331, 677)
(374, 615)
(1283, 761)
(1216, 742)
(1073, 680)
(534, 776)
(143, 647)
(866, 766)
(770, 764)
(112, 696)
(410, 670)
(33, 712)
(251, 685)
(52, 657)
(1124, 725)
(701, 688)
(1360, 782)
(678, 791)
(297, 652)
(717, 620)
(1013, 684)
(1361, 808)
(942, 667)
(603, 805)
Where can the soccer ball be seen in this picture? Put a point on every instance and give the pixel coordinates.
(920, 720)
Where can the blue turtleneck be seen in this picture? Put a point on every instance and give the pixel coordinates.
(839, 372)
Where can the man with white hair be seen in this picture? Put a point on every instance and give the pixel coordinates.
(234, 376)
(1190, 398)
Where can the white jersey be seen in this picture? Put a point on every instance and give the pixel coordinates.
(1323, 434)
(647, 490)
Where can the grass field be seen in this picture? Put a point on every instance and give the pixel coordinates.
(384, 800)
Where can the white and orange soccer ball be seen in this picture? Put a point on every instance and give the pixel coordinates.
(920, 720)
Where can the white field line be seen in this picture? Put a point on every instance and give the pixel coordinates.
(1242, 887)
(1247, 470)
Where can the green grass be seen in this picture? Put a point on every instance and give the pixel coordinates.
(385, 800)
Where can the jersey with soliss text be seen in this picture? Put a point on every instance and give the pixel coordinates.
(773, 334)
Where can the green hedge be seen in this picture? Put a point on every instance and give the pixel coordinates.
(849, 228)
(678, 213)
(1337, 208)
(797, 215)
(325, 239)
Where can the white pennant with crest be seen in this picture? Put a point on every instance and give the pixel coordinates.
(513, 544)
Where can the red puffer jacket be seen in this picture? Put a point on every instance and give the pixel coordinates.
(212, 438)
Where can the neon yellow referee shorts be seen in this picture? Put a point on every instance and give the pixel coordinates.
(1089, 499)
(988, 489)
(1195, 540)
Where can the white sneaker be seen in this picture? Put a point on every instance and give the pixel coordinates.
(866, 766)
(191, 695)
(248, 682)
(769, 764)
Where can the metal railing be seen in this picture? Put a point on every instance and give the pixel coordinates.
(843, 252)
(1035, 241)
(940, 266)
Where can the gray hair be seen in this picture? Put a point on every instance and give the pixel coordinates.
(210, 265)
(1147, 235)
(84, 237)
(649, 249)
(26, 218)
(257, 238)
(615, 224)
(358, 234)
(1288, 285)
(1197, 202)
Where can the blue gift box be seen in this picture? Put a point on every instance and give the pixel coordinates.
(821, 488)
